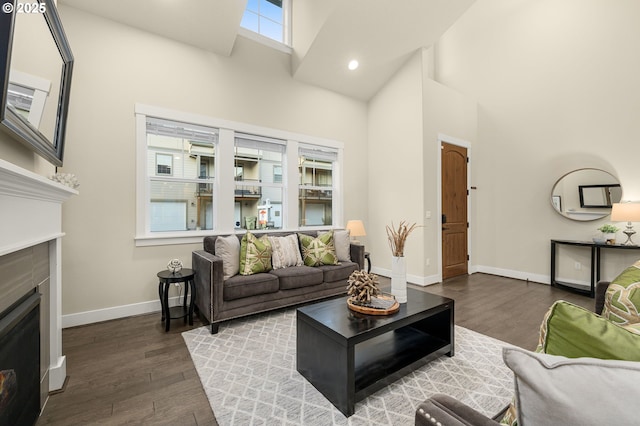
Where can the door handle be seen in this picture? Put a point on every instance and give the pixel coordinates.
(444, 229)
(444, 218)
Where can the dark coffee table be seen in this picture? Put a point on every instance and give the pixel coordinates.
(348, 356)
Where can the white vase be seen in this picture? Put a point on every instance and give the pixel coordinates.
(399, 279)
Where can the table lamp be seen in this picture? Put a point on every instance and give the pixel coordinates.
(626, 212)
(356, 229)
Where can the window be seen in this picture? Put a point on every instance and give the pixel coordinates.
(315, 199)
(200, 176)
(277, 174)
(258, 194)
(267, 18)
(164, 164)
(181, 160)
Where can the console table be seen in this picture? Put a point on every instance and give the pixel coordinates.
(595, 263)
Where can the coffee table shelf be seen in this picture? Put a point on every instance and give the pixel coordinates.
(385, 358)
(348, 356)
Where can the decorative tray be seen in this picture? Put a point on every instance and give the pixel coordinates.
(383, 304)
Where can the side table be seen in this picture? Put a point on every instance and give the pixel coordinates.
(167, 278)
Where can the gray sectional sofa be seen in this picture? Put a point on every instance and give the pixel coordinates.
(219, 300)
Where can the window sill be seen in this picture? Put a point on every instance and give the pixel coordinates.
(196, 237)
(266, 41)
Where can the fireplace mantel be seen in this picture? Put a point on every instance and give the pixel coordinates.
(30, 214)
(30, 208)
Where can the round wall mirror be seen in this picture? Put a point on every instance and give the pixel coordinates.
(586, 194)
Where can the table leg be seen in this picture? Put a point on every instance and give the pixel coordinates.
(160, 294)
(553, 263)
(335, 379)
(167, 313)
(192, 284)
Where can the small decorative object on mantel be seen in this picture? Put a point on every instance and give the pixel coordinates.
(397, 239)
(174, 265)
(609, 232)
(365, 295)
(68, 179)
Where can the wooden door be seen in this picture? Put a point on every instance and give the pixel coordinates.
(454, 211)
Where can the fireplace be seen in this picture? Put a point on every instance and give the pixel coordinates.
(30, 288)
(20, 362)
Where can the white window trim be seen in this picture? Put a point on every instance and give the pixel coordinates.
(269, 42)
(225, 190)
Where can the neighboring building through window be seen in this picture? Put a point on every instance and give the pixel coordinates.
(181, 159)
(258, 194)
(315, 199)
(200, 176)
(267, 18)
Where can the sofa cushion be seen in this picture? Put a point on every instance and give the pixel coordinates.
(342, 243)
(285, 251)
(318, 251)
(297, 276)
(228, 248)
(255, 254)
(240, 286)
(555, 390)
(622, 298)
(339, 272)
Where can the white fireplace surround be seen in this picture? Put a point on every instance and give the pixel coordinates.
(30, 214)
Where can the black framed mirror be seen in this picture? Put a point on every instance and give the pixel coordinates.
(36, 64)
(585, 194)
(599, 196)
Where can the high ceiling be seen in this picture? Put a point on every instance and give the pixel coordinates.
(327, 34)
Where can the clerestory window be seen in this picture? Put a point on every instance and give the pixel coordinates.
(269, 18)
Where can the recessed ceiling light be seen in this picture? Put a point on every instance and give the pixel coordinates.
(353, 64)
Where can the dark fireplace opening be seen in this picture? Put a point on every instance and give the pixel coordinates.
(20, 362)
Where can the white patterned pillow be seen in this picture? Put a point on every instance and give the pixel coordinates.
(285, 251)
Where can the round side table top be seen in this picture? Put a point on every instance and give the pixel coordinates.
(182, 275)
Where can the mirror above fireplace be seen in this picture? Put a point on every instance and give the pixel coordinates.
(35, 71)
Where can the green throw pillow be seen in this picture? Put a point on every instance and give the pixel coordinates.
(318, 251)
(572, 331)
(622, 299)
(255, 254)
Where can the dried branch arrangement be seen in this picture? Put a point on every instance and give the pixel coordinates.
(398, 237)
(362, 286)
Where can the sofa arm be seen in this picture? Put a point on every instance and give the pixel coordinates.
(209, 283)
(601, 289)
(447, 411)
(356, 251)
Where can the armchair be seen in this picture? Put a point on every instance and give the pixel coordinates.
(444, 410)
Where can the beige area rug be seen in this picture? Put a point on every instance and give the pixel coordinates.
(248, 371)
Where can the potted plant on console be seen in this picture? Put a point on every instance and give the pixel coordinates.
(609, 232)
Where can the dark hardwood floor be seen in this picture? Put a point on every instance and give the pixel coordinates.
(129, 371)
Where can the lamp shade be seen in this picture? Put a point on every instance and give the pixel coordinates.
(625, 212)
(356, 228)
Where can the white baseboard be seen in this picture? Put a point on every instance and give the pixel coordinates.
(412, 279)
(90, 317)
(527, 276)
